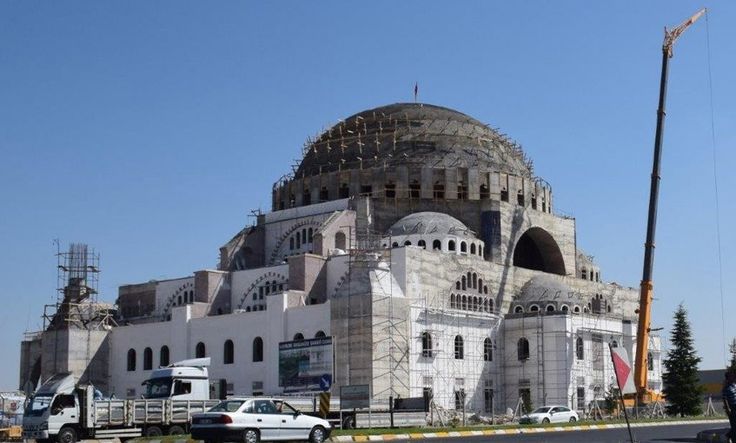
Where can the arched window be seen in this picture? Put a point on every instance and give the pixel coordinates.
(522, 349)
(614, 344)
(564, 308)
(550, 308)
(490, 305)
(340, 240)
(414, 189)
(650, 361)
(480, 285)
(320, 334)
(451, 245)
(475, 280)
(518, 310)
(487, 350)
(457, 284)
(576, 309)
(257, 349)
(463, 247)
(228, 352)
(407, 243)
(436, 245)
(579, 349)
(395, 245)
(199, 351)
(426, 344)
(472, 248)
(298, 240)
(533, 308)
(131, 359)
(438, 190)
(390, 190)
(452, 301)
(291, 243)
(459, 348)
(163, 356)
(147, 359)
(310, 235)
(422, 244)
(178, 303)
(298, 336)
(464, 303)
(464, 283)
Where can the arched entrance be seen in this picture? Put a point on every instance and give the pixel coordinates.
(537, 250)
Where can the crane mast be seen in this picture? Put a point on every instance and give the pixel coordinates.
(647, 286)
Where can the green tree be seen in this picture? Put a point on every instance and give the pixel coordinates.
(732, 350)
(681, 387)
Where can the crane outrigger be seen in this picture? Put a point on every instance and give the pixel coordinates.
(644, 395)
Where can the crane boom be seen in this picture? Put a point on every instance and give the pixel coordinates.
(647, 287)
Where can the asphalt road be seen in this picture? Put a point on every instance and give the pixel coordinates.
(649, 434)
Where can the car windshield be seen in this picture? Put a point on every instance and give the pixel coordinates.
(540, 411)
(227, 406)
(37, 406)
(158, 387)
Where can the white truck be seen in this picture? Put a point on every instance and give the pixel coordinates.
(65, 411)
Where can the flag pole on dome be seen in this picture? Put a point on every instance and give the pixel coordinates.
(416, 91)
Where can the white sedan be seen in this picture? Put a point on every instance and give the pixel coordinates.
(550, 414)
(250, 420)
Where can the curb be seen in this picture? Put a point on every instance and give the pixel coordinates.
(714, 435)
(517, 431)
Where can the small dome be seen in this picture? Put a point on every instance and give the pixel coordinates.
(545, 288)
(429, 223)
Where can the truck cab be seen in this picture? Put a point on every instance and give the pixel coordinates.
(53, 406)
(184, 380)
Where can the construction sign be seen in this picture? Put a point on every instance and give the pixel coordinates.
(622, 368)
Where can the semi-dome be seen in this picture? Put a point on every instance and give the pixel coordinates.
(412, 134)
(429, 223)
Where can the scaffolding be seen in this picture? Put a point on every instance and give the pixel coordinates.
(388, 344)
(459, 371)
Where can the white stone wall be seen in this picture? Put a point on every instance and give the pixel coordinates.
(182, 333)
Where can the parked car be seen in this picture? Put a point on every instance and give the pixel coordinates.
(250, 420)
(550, 414)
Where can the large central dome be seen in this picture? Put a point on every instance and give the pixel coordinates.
(412, 134)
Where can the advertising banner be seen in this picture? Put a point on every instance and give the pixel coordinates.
(306, 365)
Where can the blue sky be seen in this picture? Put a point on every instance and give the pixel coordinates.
(151, 129)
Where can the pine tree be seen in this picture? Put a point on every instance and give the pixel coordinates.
(732, 350)
(681, 387)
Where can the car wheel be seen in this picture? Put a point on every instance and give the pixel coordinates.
(250, 436)
(545, 420)
(317, 435)
(67, 435)
(573, 419)
(154, 431)
(176, 430)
